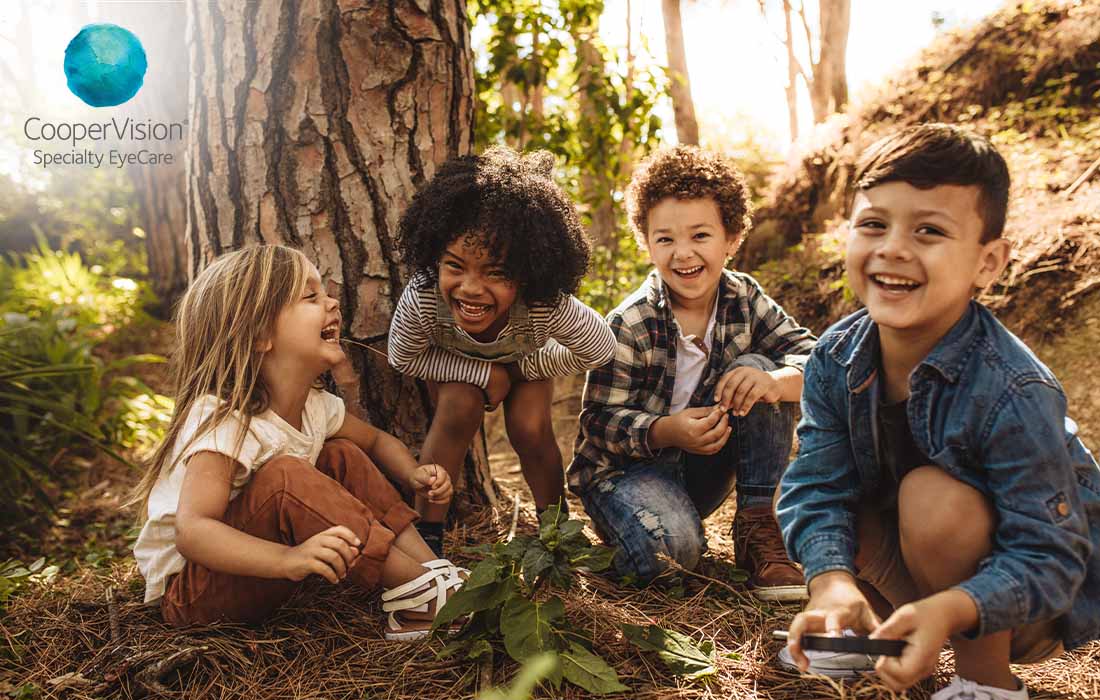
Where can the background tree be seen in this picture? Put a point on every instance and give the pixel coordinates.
(826, 77)
(687, 128)
(550, 82)
(161, 189)
(313, 122)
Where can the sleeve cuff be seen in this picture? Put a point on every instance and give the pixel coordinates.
(640, 435)
(830, 552)
(999, 600)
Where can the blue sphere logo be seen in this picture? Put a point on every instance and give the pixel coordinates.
(105, 65)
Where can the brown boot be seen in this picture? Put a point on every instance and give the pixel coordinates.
(759, 549)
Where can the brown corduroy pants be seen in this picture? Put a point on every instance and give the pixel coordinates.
(288, 500)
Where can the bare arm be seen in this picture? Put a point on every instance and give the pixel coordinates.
(202, 536)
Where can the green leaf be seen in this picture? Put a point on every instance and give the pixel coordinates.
(527, 626)
(466, 601)
(583, 668)
(536, 560)
(678, 652)
(534, 670)
(486, 572)
(595, 559)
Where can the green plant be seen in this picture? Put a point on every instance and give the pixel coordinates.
(676, 651)
(503, 600)
(13, 575)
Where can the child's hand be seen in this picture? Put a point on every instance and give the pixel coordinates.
(926, 630)
(328, 554)
(702, 430)
(740, 388)
(500, 383)
(433, 482)
(836, 603)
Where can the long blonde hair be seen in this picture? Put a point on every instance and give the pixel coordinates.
(222, 318)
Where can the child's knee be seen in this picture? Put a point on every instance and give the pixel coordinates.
(529, 432)
(460, 408)
(938, 514)
(288, 474)
(654, 544)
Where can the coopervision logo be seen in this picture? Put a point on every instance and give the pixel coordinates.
(74, 134)
(105, 65)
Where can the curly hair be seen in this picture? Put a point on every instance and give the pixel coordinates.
(509, 205)
(688, 172)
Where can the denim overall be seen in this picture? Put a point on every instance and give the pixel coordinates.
(508, 347)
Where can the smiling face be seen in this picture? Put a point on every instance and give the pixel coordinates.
(689, 246)
(476, 288)
(307, 331)
(915, 256)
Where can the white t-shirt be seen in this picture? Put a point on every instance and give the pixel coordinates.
(691, 363)
(268, 436)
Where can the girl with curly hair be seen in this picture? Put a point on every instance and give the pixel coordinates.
(489, 315)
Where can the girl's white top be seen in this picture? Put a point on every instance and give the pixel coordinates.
(267, 436)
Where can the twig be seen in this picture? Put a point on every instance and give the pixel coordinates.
(149, 678)
(364, 345)
(112, 615)
(677, 566)
(485, 673)
(1084, 176)
(515, 518)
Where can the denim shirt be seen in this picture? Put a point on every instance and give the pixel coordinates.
(991, 415)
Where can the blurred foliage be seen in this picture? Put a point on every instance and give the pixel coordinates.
(58, 390)
(544, 79)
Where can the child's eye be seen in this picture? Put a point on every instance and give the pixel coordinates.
(452, 265)
(311, 296)
(701, 235)
(497, 274)
(873, 225)
(931, 231)
(663, 239)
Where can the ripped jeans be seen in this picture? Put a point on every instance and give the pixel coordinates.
(657, 508)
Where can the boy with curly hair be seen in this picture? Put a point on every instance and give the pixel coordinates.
(489, 314)
(700, 393)
(939, 481)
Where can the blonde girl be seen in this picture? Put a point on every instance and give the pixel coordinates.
(263, 479)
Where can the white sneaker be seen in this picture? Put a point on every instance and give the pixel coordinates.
(962, 689)
(834, 664)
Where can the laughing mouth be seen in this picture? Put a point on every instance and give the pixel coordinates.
(473, 311)
(331, 332)
(688, 271)
(895, 284)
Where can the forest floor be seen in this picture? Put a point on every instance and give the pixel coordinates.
(85, 634)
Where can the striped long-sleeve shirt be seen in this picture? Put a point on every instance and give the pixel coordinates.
(569, 338)
(623, 398)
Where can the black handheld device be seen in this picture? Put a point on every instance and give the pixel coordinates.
(849, 644)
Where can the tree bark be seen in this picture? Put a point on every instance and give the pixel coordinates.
(313, 122)
(595, 187)
(687, 128)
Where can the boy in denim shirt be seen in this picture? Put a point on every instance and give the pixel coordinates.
(700, 391)
(939, 483)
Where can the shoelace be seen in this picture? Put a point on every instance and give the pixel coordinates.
(763, 537)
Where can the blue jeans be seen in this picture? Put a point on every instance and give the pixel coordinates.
(657, 508)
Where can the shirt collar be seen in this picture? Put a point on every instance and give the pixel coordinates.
(858, 349)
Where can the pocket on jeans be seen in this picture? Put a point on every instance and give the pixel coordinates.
(182, 596)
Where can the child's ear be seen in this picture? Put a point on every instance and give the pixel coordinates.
(733, 244)
(263, 345)
(993, 261)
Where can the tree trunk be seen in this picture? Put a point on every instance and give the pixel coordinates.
(687, 128)
(829, 87)
(313, 122)
(792, 72)
(161, 189)
(595, 184)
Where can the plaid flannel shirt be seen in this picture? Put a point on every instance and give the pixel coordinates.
(624, 397)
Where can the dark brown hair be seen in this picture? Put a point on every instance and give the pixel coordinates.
(928, 155)
(688, 172)
(509, 204)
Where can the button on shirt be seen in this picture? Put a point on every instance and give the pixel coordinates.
(691, 362)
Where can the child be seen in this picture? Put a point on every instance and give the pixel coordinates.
(263, 480)
(488, 316)
(701, 390)
(938, 475)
